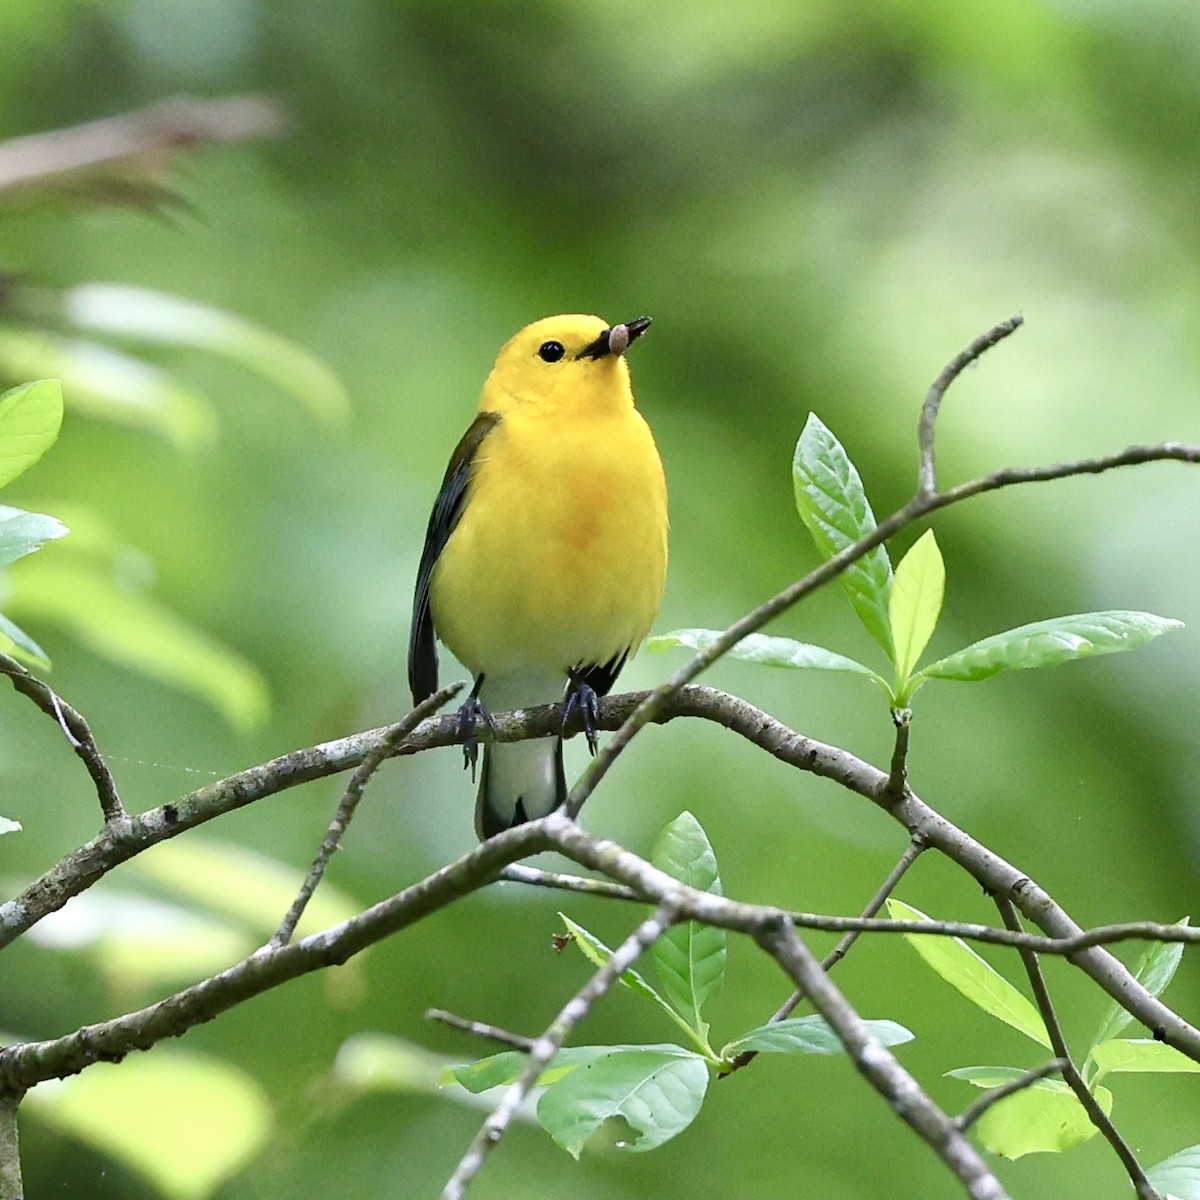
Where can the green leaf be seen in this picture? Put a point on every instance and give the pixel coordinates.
(506, 1067)
(597, 953)
(835, 510)
(972, 977)
(1046, 1117)
(767, 651)
(140, 314)
(102, 382)
(987, 1077)
(22, 645)
(30, 418)
(916, 603)
(1179, 1175)
(7, 826)
(690, 957)
(1154, 971)
(809, 1035)
(1047, 643)
(23, 532)
(134, 630)
(112, 1106)
(1140, 1054)
(657, 1094)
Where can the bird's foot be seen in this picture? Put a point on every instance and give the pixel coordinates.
(582, 696)
(470, 715)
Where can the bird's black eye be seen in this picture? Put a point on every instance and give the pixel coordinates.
(551, 351)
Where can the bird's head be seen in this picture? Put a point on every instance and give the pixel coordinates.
(573, 360)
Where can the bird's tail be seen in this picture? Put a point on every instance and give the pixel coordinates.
(519, 782)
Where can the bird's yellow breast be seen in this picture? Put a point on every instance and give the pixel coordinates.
(559, 557)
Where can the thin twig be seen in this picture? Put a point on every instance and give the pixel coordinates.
(971, 1114)
(546, 1046)
(385, 747)
(911, 853)
(494, 1033)
(897, 782)
(535, 877)
(10, 1147)
(933, 400)
(1070, 1074)
(878, 1065)
(76, 730)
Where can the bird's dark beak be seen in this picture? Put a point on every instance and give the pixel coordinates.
(616, 340)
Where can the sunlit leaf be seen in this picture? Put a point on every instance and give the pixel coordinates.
(1047, 643)
(972, 977)
(809, 1035)
(142, 315)
(1179, 1175)
(223, 1117)
(22, 533)
(7, 826)
(102, 382)
(690, 957)
(1154, 971)
(767, 651)
(916, 602)
(506, 1067)
(1045, 1117)
(657, 1094)
(30, 417)
(835, 510)
(987, 1077)
(1141, 1054)
(134, 630)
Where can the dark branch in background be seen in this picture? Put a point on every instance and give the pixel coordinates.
(505, 1037)
(546, 1046)
(880, 1067)
(970, 1115)
(372, 761)
(123, 159)
(1070, 1073)
(76, 730)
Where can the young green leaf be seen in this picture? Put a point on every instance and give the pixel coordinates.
(1046, 1116)
(1154, 971)
(809, 1035)
(767, 651)
(30, 418)
(657, 1094)
(916, 603)
(835, 510)
(499, 1069)
(1046, 643)
(974, 978)
(597, 953)
(22, 645)
(1178, 1176)
(987, 1077)
(690, 957)
(1140, 1054)
(23, 532)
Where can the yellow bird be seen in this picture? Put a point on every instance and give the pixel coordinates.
(546, 551)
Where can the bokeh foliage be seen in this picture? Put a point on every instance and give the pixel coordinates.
(819, 204)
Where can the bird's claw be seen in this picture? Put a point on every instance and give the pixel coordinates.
(470, 715)
(582, 696)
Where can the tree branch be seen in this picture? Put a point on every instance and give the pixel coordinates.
(505, 1037)
(878, 1065)
(546, 1046)
(75, 729)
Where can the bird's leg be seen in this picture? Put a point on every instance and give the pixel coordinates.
(470, 714)
(582, 696)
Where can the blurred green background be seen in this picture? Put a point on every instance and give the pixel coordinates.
(819, 204)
